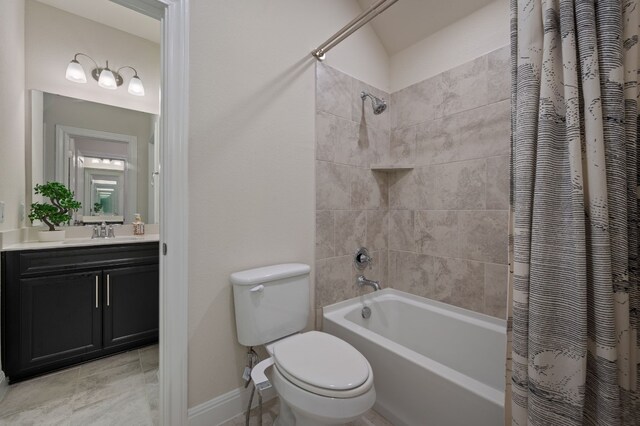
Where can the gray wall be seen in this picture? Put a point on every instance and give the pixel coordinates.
(439, 230)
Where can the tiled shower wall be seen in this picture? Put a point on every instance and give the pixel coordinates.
(352, 201)
(439, 230)
(449, 215)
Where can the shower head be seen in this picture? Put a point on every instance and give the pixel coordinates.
(378, 105)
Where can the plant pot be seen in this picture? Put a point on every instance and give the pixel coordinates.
(50, 236)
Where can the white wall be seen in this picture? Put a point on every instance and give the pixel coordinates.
(479, 33)
(12, 110)
(251, 155)
(54, 36)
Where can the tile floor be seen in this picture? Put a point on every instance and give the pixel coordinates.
(118, 390)
(271, 408)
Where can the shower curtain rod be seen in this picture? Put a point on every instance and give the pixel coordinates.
(352, 27)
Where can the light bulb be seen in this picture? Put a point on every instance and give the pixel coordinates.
(135, 86)
(75, 72)
(107, 80)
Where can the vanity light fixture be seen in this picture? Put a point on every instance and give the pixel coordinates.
(106, 77)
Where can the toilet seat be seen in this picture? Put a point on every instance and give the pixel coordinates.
(323, 364)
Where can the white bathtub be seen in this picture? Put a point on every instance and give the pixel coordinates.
(433, 364)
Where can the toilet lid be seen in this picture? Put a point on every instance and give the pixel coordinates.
(322, 361)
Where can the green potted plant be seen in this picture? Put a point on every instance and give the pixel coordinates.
(97, 208)
(58, 211)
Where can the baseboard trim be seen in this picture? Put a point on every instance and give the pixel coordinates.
(225, 407)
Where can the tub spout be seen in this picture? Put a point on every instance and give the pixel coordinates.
(362, 281)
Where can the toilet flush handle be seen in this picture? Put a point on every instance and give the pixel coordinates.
(259, 288)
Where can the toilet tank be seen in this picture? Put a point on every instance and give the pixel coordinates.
(270, 302)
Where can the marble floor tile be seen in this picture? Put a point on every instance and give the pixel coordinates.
(126, 408)
(108, 362)
(107, 383)
(55, 412)
(149, 358)
(52, 389)
(270, 412)
(109, 391)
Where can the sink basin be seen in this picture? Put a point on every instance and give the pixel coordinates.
(115, 240)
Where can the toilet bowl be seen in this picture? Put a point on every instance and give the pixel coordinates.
(320, 379)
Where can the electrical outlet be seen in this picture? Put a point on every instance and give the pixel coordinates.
(1, 211)
(21, 209)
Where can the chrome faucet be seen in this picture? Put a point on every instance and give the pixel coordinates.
(103, 231)
(362, 281)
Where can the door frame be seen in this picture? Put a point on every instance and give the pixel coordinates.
(174, 197)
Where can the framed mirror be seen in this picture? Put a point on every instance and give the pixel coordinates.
(107, 156)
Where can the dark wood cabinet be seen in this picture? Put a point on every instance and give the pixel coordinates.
(65, 306)
(132, 304)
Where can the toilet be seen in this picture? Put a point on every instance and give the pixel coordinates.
(319, 378)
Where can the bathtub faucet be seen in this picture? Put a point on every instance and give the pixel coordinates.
(362, 281)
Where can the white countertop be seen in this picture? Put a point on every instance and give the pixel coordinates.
(82, 242)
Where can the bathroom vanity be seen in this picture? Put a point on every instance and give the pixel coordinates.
(66, 305)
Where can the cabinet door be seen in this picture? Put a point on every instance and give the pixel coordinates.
(131, 309)
(60, 318)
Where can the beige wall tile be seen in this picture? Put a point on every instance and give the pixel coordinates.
(319, 318)
(437, 232)
(403, 187)
(463, 87)
(461, 185)
(349, 149)
(377, 229)
(483, 235)
(495, 290)
(369, 190)
(499, 74)
(401, 234)
(333, 91)
(412, 273)
(402, 148)
(350, 231)
(326, 132)
(416, 103)
(459, 282)
(479, 133)
(333, 186)
(378, 142)
(427, 182)
(324, 234)
(333, 280)
(498, 183)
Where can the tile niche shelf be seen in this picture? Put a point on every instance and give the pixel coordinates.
(391, 167)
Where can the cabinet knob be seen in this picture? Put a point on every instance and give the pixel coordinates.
(97, 278)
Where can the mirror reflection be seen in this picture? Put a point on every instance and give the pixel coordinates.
(107, 156)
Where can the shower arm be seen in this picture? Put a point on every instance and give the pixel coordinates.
(364, 95)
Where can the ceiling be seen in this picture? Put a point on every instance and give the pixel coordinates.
(400, 26)
(409, 21)
(112, 15)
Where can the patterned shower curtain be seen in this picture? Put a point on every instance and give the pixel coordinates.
(574, 217)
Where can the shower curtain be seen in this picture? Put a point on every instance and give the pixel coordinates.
(574, 213)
